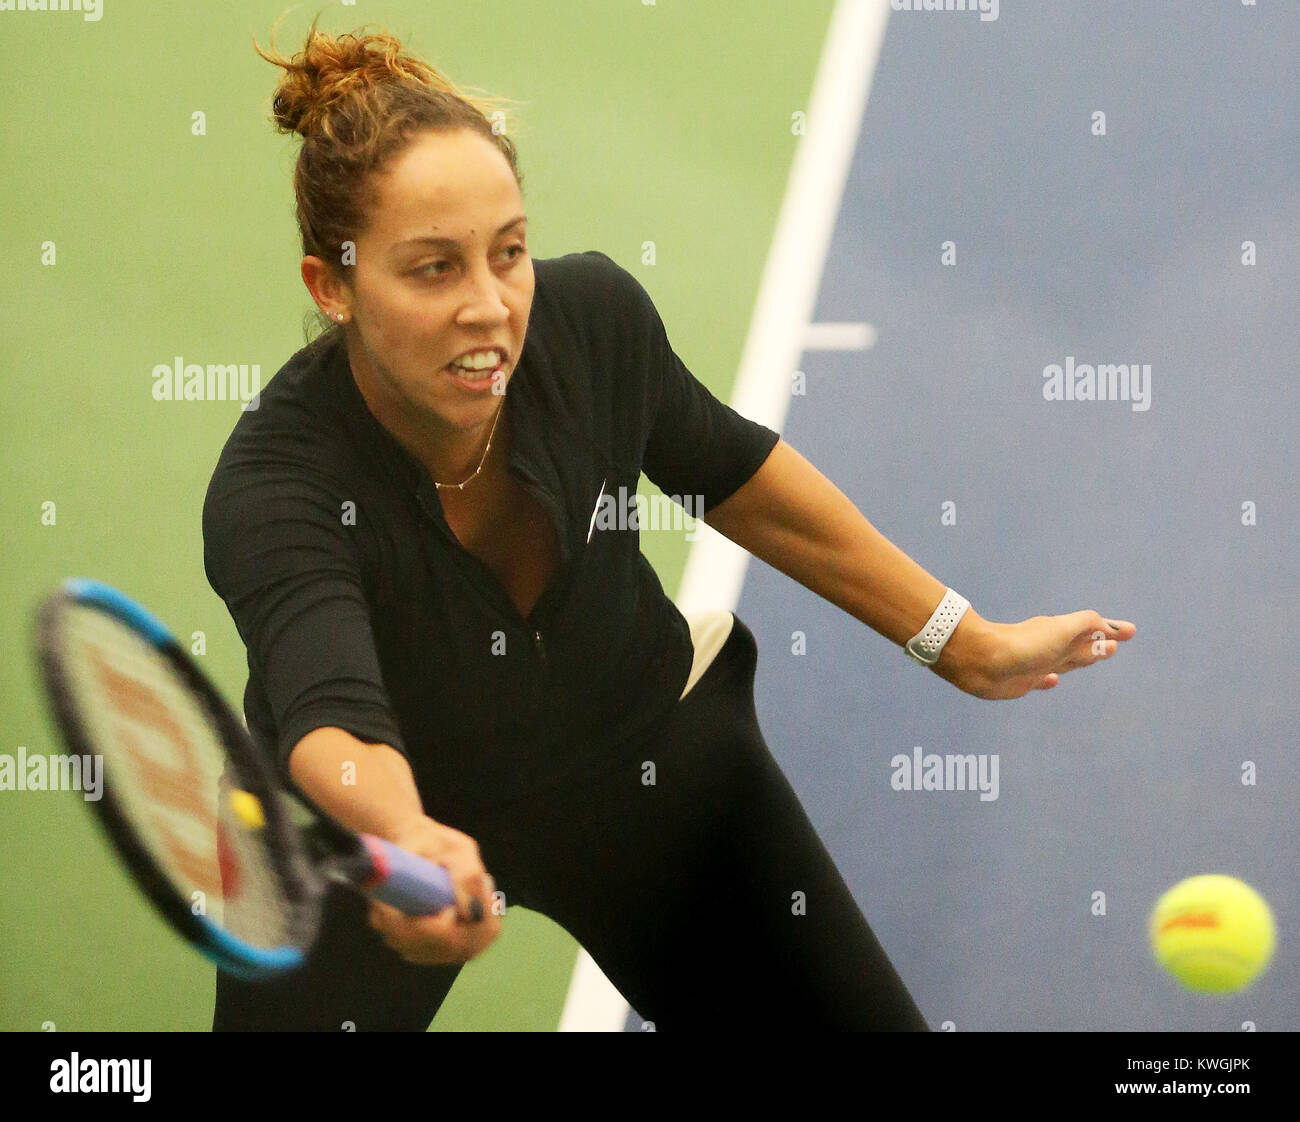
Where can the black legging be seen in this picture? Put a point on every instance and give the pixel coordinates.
(706, 895)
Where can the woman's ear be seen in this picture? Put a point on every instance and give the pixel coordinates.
(331, 293)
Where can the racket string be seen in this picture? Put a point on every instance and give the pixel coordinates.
(168, 773)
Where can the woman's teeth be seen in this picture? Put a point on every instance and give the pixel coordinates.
(489, 360)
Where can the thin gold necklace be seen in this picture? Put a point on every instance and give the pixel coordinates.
(461, 486)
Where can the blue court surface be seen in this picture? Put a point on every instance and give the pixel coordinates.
(1172, 506)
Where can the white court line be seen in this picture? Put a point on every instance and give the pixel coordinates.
(839, 337)
(715, 567)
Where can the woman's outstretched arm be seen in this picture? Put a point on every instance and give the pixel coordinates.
(794, 518)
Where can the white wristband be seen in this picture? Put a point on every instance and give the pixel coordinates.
(927, 644)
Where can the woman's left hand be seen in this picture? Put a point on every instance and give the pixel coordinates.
(1015, 658)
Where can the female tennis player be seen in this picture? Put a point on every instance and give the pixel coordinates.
(453, 638)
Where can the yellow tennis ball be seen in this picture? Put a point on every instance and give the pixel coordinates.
(1214, 933)
(247, 809)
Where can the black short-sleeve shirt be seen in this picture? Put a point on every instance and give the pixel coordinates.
(360, 609)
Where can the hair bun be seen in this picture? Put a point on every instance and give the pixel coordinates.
(329, 69)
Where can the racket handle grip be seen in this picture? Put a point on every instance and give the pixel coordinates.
(407, 882)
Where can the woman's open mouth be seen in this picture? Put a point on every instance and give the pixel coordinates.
(478, 371)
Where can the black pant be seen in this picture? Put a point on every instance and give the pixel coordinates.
(698, 886)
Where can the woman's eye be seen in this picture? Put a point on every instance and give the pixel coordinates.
(434, 268)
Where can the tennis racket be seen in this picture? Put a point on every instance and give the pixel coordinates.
(234, 860)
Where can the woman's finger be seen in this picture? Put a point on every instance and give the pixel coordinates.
(382, 916)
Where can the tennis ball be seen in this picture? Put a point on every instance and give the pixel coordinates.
(247, 809)
(1214, 933)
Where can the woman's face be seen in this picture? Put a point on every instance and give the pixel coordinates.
(442, 268)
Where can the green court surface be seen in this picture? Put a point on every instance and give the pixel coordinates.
(666, 123)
